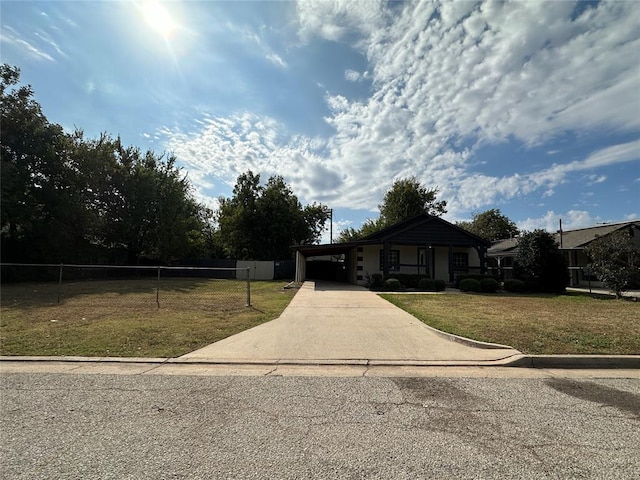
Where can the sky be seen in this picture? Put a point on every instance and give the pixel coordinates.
(529, 107)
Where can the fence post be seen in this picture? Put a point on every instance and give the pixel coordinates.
(158, 289)
(248, 287)
(60, 283)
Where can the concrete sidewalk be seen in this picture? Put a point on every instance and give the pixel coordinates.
(341, 323)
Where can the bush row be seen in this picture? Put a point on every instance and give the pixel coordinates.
(398, 282)
(490, 285)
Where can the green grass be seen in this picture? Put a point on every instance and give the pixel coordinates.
(121, 317)
(533, 324)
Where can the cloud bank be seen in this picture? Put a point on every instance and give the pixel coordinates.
(447, 80)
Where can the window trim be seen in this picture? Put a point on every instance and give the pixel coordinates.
(394, 266)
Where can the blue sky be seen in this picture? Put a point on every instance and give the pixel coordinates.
(529, 107)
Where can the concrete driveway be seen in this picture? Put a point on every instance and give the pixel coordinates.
(340, 323)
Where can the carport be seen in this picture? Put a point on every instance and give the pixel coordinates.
(326, 262)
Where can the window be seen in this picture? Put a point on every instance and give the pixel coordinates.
(461, 261)
(394, 260)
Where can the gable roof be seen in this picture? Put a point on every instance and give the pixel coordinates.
(571, 239)
(420, 230)
(423, 229)
(581, 237)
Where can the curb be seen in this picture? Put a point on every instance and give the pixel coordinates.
(518, 360)
(578, 361)
(467, 341)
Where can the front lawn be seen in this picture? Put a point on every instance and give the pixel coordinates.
(533, 324)
(121, 317)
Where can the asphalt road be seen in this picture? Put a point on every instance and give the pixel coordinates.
(58, 426)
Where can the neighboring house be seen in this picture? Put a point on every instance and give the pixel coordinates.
(424, 245)
(571, 242)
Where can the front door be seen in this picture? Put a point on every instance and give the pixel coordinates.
(423, 266)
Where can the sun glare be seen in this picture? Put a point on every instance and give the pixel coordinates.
(159, 18)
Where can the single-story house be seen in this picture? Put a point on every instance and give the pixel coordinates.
(424, 245)
(571, 242)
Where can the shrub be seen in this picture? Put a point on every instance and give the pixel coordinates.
(470, 285)
(440, 286)
(392, 284)
(459, 278)
(409, 280)
(514, 285)
(375, 281)
(427, 285)
(489, 285)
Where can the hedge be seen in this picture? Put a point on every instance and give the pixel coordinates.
(514, 285)
(392, 284)
(469, 285)
(459, 278)
(489, 285)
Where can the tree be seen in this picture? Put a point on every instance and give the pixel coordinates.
(615, 260)
(540, 264)
(263, 222)
(407, 198)
(41, 215)
(491, 224)
(69, 199)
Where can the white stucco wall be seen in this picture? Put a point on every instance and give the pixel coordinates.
(409, 255)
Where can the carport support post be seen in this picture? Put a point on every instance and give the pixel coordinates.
(248, 287)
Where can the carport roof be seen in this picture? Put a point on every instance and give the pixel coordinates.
(326, 249)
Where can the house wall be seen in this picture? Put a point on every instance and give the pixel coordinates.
(409, 256)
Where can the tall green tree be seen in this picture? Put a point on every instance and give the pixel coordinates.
(408, 198)
(69, 199)
(540, 264)
(491, 224)
(262, 222)
(405, 199)
(615, 260)
(42, 216)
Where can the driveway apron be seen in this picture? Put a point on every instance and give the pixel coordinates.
(331, 322)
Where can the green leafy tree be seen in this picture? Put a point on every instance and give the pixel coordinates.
(491, 224)
(69, 199)
(263, 222)
(408, 198)
(540, 264)
(42, 214)
(405, 199)
(615, 260)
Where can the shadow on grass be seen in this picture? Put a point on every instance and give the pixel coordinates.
(142, 289)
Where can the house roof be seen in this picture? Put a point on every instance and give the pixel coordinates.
(581, 237)
(571, 239)
(420, 230)
(423, 229)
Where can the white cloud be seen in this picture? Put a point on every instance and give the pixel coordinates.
(276, 60)
(551, 221)
(352, 75)
(9, 35)
(443, 76)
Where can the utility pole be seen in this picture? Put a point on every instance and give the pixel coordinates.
(331, 225)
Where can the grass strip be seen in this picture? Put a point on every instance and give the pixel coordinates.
(121, 318)
(534, 324)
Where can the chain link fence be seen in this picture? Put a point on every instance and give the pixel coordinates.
(102, 287)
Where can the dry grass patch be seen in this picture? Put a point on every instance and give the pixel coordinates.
(121, 317)
(534, 324)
